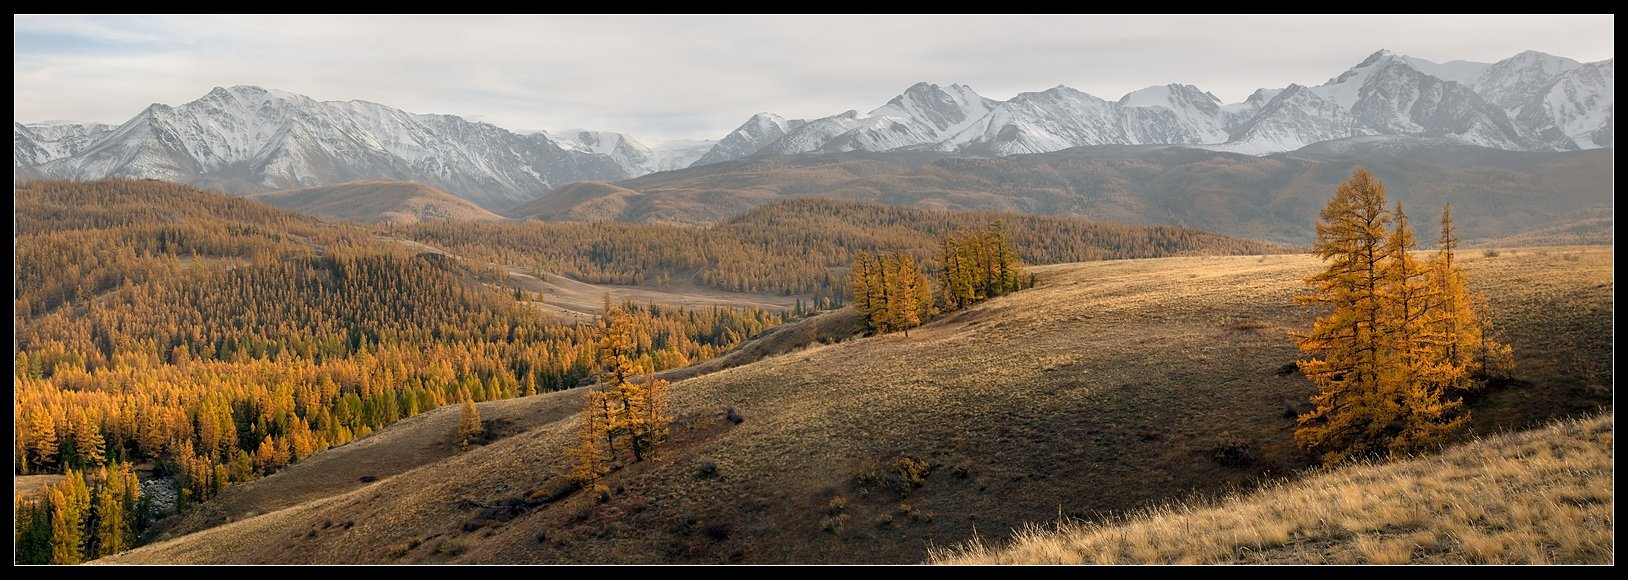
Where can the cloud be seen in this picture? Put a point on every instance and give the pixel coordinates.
(699, 76)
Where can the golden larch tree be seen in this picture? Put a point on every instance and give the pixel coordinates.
(910, 302)
(1417, 408)
(469, 424)
(1391, 368)
(1350, 240)
(1466, 334)
(623, 415)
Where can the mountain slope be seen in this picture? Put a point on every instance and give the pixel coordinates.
(377, 201)
(1494, 193)
(1111, 386)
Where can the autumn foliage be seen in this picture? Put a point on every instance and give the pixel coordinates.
(1399, 342)
(84, 516)
(624, 419)
(891, 292)
(469, 425)
(220, 340)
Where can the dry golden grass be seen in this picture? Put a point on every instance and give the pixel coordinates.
(1110, 388)
(29, 487)
(1536, 497)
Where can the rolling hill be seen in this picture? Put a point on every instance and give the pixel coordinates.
(1110, 387)
(1495, 194)
(377, 201)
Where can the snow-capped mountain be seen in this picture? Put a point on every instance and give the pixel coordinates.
(249, 138)
(1532, 101)
(920, 117)
(1295, 117)
(813, 135)
(1575, 111)
(1174, 114)
(1513, 82)
(1050, 120)
(749, 138)
(37, 143)
(635, 157)
(1557, 101)
(1385, 94)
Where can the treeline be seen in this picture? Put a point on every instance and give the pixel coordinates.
(799, 246)
(236, 347)
(891, 292)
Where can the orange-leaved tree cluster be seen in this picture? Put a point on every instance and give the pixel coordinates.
(1400, 342)
(891, 293)
(83, 516)
(623, 419)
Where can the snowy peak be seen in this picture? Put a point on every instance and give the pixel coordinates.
(249, 139)
(1293, 118)
(634, 157)
(1174, 113)
(749, 138)
(944, 109)
(1345, 89)
(814, 135)
(1400, 100)
(37, 143)
(1513, 82)
(1577, 110)
(1173, 97)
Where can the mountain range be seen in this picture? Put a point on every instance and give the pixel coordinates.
(248, 139)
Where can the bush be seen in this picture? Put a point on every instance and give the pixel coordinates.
(904, 476)
(836, 506)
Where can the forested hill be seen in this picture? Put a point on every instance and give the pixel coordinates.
(798, 246)
(219, 340)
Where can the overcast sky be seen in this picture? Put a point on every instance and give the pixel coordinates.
(698, 77)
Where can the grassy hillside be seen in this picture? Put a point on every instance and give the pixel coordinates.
(377, 201)
(1496, 194)
(1111, 387)
(1536, 497)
